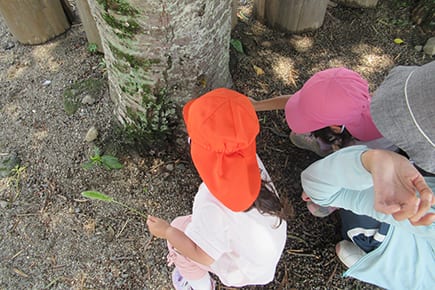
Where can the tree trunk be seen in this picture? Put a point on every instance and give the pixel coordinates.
(158, 52)
(34, 21)
(89, 25)
(358, 3)
(292, 15)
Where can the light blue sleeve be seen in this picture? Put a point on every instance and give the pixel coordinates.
(340, 180)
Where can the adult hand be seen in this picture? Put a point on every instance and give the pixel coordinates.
(396, 182)
(157, 226)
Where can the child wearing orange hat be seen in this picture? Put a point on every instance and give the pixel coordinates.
(236, 211)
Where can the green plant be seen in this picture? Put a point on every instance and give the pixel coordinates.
(237, 44)
(15, 181)
(107, 161)
(92, 47)
(101, 196)
(153, 127)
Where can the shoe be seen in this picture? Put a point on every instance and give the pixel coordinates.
(320, 211)
(179, 282)
(309, 142)
(348, 252)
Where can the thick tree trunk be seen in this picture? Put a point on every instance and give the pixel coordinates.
(34, 21)
(292, 15)
(159, 52)
(358, 3)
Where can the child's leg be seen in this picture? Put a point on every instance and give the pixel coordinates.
(192, 271)
(366, 232)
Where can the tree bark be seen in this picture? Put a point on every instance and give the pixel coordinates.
(358, 3)
(292, 15)
(162, 51)
(34, 21)
(89, 24)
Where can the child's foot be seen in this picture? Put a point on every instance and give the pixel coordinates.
(315, 209)
(179, 282)
(309, 142)
(320, 211)
(348, 252)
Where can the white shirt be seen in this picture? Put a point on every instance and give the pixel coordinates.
(245, 246)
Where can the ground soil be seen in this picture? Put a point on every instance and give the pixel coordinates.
(53, 238)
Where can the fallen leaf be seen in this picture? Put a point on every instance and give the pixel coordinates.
(89, 226)
(258, 70)
(398, 41)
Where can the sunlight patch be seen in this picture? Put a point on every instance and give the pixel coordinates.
(44, 55)
(285, 71)
(302, 43)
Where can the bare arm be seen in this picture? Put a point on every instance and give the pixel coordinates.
(276, 103)
(395, 182)
(182, 243)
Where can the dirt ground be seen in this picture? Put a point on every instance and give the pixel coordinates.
(53, 238)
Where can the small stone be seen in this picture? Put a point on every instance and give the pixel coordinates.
(3, 204)
(9, 45)
(88, 100)
(92, 134)
(266, 44)
(46, 83)
(429, 47)
(418, 48)
(170, 167)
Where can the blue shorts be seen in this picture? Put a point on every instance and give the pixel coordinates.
(366, 232)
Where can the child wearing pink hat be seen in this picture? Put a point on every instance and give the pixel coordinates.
(237, 229)
(330, 111)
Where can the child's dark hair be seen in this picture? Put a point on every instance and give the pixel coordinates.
(328, 136)
(268, 202)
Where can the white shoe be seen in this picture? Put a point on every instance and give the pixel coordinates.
(348, 252)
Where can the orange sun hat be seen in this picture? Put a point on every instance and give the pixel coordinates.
(222, 126)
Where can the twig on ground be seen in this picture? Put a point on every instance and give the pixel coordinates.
(297, 253)
(148, 243)
(52, 283)
(16, 255)
(284, 282)
(122, 229)
(294, 237)
(332, 275)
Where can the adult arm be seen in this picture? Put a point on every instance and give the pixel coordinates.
(182, 243)
(396, 182)
(276, 103)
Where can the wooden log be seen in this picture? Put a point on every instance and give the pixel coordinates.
(34, 21)
(358, 3)
(89, 25)
(291, 15)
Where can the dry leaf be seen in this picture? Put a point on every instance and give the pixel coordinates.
(258, 70)
(89, 226)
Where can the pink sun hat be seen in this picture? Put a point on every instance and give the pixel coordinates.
(336, 96)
